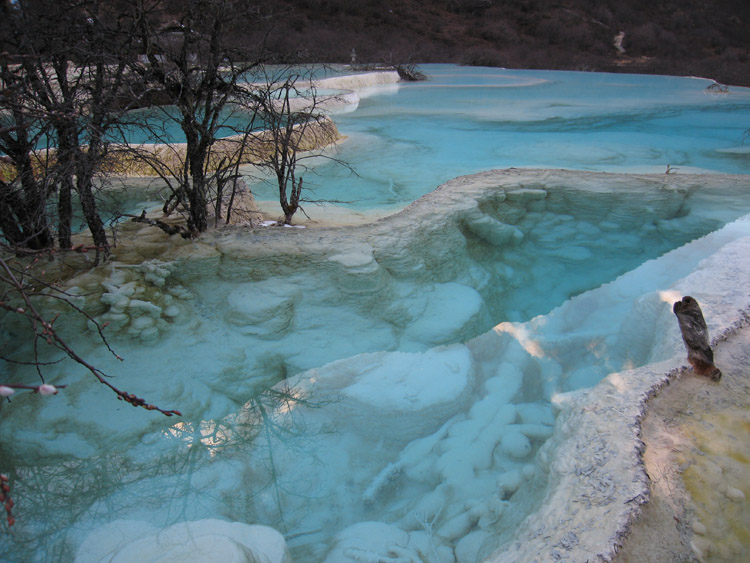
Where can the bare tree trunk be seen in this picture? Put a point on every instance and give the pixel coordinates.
(94, 222)
(24, 198)
(24, 220)
(237, 185)
(292, 206)
(66, 140)
(85, 187)
(33, 218)
(8, 217)
(197, 196)
(65, 214)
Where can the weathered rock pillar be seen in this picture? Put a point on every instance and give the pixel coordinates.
(695, 336)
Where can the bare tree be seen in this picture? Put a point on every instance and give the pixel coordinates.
(63, 74)
(23, 195)
(295, 129)
(198, 72)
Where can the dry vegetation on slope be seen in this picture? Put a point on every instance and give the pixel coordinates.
(682, 37)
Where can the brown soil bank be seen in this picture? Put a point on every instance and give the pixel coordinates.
(697, 456)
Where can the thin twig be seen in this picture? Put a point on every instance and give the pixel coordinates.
(45, 329)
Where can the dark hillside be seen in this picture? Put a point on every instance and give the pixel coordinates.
(683, 37)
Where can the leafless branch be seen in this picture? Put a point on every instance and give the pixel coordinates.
(44, 330)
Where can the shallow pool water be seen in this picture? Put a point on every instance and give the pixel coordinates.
(405, 141)
(406, 412)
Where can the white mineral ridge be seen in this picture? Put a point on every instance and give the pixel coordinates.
(515, 445)
(467, 549)
(244, 306)
(272, 314)
(348, 91)
(366, 539)
(742, 150)
(200, 541)
(359, 258)
(628, 321)
(594, 457)
(361, 81)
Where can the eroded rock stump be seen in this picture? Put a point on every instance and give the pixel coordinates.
(695, 336)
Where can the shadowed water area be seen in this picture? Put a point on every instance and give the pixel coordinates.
(402, 372)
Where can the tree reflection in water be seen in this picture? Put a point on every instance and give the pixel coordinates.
(195, 469)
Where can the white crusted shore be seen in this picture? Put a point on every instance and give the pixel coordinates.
(598, 483)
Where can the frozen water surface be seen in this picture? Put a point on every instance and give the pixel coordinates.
(384, 390)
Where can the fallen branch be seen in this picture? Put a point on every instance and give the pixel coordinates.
(166, 227)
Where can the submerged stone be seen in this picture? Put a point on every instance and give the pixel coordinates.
(264, 309)
(451, 312)
(404, 394)
(201, 541)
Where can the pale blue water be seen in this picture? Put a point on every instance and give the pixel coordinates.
(85, 459)
(464, 120)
